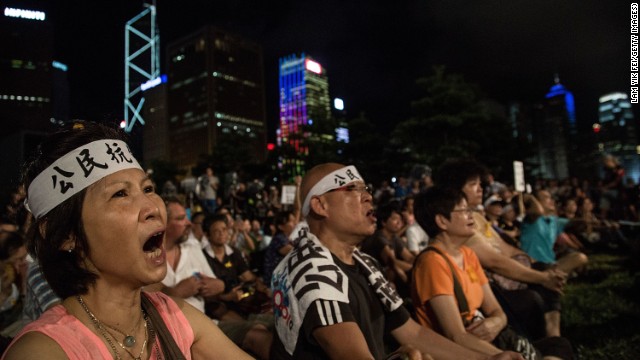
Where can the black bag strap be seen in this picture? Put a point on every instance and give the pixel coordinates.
(463, 306)
(170, 349)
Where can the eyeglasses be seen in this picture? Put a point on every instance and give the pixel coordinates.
(466, 211)
(361, 188)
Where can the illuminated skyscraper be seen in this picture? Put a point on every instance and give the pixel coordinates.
(555, 132)
(616, 132)
(305, 111)
(33, 87)
(215, 93)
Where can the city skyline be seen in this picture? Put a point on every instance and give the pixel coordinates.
(373, 51)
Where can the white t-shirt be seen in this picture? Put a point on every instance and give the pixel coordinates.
(417, 238)
(191, 261)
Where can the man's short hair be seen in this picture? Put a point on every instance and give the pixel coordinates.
(211, 219)
(455, 173)
(437, 200)
(384, 212)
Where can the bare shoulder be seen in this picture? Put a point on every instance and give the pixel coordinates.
(35, 345)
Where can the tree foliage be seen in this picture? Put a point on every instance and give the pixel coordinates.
(451, 119)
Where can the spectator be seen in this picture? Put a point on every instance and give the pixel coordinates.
(280, 245)
(98, 246)
(449, 285)
(540, 229)
(207, 190)
(512, 278)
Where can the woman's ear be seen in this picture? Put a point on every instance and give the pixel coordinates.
(442, 222)
(69, 244)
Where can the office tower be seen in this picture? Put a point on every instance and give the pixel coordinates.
(33, 87)
(616, 132)
(305, 112)
(555, 131)
(215, 96)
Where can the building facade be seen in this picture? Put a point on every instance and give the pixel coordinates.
(33, 87)
(616, 132)
(215, 94)
(555, 130)
(305, 112)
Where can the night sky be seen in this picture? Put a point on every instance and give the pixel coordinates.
(373, 50)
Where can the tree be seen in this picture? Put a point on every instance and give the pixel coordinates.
(452, 120)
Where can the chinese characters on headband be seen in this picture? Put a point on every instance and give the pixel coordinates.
(87, 163)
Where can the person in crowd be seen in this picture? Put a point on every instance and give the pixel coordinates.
(207, 190)
(540, 229)
(326, 290)
(417, 238)
(197, 234)
(594, 231)
(612, 187)
(509, 223)
(527, 295)
(450, 289)
(98, 236)
(188, 275)
(285, 222)
(241, 238)
(388, 249)
(493, 209)
(13, 270)
(229, 265)
(384, 193)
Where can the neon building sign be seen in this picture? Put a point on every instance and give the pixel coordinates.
(24, 14)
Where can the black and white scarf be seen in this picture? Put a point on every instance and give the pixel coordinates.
(309, 273)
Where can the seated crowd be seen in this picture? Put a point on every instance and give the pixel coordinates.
(465, 268)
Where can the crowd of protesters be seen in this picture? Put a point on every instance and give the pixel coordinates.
(230, 237)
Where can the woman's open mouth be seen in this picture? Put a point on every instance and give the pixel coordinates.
(153, 246)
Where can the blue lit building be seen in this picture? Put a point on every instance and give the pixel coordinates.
(616, 132)
(555, 133)
(305, 112)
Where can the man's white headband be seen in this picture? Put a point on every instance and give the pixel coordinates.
(75, 171)
(334, 180)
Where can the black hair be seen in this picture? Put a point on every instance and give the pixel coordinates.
(384, 212)
(437, 200)
(455, 173)
(63, 270)
(10, 242)
(210, 220)
(281, 218)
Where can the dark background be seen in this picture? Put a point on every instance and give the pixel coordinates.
(373, 50)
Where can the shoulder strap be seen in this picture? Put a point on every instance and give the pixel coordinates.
(169, 347)
(463, 306)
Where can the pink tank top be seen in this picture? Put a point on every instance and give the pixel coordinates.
(80, 343)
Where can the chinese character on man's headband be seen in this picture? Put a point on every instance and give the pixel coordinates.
(64, 185)
(120, 154)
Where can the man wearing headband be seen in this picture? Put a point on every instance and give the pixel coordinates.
(330, 300)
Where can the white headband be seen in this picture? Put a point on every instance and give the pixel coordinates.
(334, 180)
(75, 171)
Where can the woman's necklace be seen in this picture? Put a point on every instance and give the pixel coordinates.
(128, 339)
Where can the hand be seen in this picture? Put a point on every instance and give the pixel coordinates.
(297, 180)
(187, 288)
(408, 352)
(554, 280)
(507, 355)
(210, 286)
(235, 295)
(486, 329)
